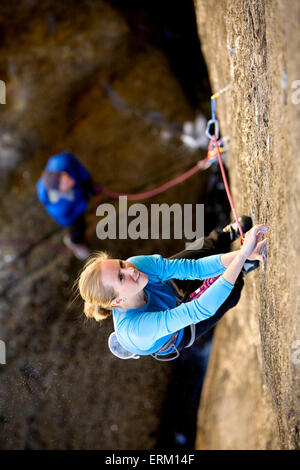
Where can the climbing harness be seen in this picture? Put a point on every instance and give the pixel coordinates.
(170, 344)
(117, 350)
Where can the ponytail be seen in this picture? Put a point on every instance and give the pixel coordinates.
(96, 312)
(97, 299)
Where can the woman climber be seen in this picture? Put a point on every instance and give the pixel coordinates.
(142, 293)
(64, 189)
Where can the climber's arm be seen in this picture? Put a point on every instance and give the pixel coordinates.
(227, 258)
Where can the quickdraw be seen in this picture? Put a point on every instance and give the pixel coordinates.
(214, 144)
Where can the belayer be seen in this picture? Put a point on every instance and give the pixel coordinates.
(142, 293)
(64, 189)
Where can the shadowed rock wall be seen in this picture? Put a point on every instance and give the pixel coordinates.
(252, 390)
(79, 78)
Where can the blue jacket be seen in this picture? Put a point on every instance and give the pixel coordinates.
(146, 329)
(64, 211)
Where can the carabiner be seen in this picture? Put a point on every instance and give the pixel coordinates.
(209, 124)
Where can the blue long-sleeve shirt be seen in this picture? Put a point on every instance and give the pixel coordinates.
(146, 329)
(65, 211)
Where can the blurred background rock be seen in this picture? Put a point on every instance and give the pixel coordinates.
(113, 85)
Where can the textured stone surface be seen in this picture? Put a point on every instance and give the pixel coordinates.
(252, 390)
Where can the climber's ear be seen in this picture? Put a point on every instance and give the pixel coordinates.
(117, 302)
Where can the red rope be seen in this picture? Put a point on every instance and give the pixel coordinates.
(153, 192)
(215, 141)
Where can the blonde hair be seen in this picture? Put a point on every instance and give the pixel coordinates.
(97, 299)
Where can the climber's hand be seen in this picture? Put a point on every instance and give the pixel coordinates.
(259, 251)
(252, 247)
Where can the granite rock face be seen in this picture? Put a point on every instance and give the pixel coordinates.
(251, 398)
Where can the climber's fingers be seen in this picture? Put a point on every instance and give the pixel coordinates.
(262, 227)
(259, 236)
(259, 251)
(252, 237)
(257, 230)
(261, 247)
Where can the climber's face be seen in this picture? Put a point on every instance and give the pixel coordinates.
(66, 182)
(124, 278)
